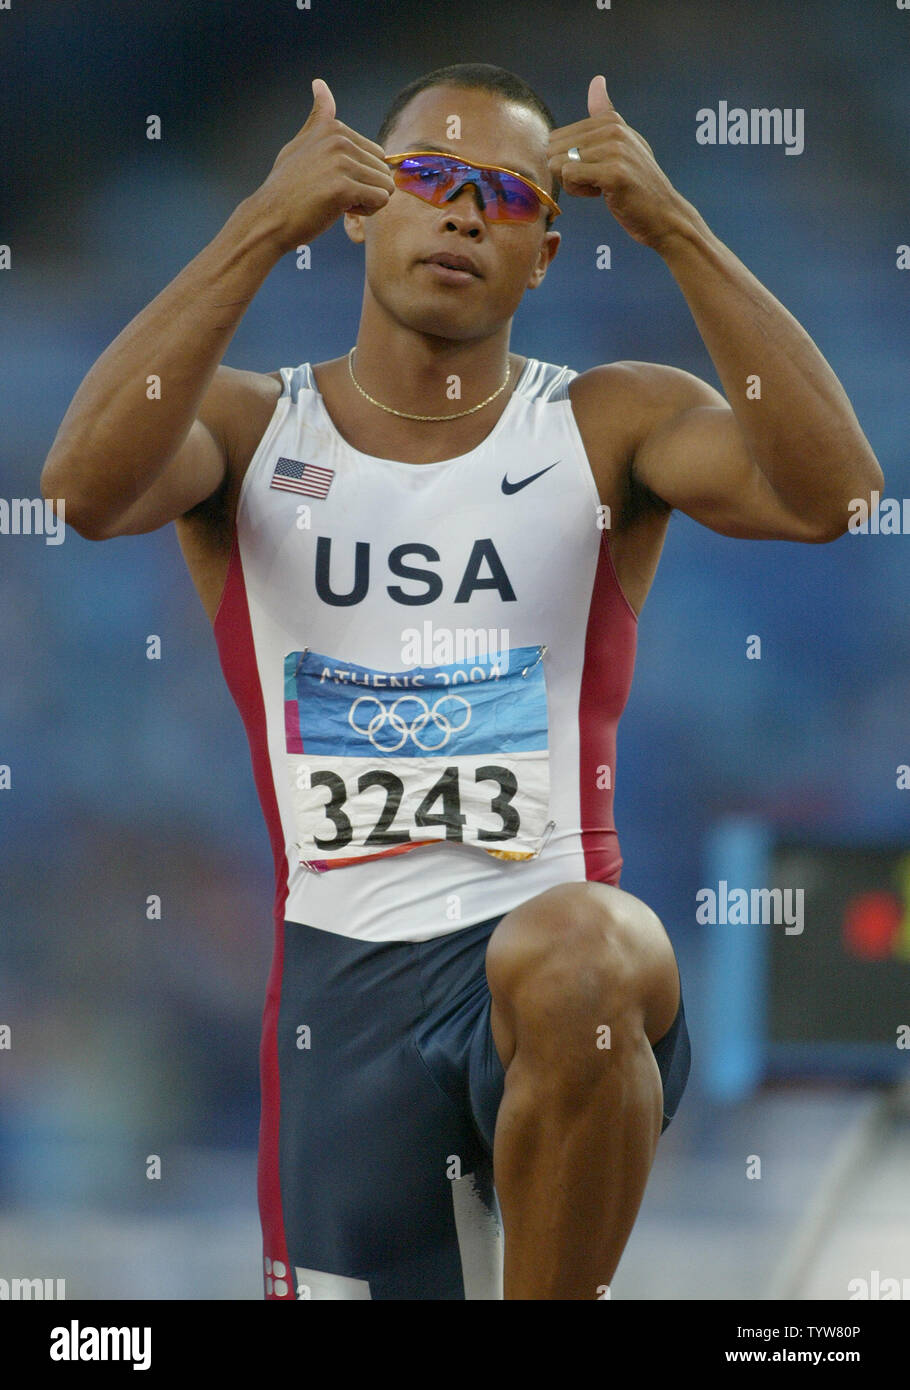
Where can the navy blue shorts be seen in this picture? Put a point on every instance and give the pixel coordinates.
(389, 1088)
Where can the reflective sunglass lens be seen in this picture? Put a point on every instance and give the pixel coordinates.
(516, 201)
(505, 198)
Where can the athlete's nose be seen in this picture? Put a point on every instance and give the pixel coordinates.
(469, 212)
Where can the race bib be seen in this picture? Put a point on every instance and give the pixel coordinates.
(382, 762)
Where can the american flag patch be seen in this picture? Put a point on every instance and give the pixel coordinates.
(291, 475)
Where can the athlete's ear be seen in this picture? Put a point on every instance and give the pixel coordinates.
(548, 248)
(353, 225)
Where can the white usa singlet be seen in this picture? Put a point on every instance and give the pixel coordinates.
(430, 661)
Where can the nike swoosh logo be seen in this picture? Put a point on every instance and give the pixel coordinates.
(508, 487)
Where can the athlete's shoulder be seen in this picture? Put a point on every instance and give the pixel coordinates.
(637, 390)
(233, 391)
(232, 379)
(616, 405)
(237, 408)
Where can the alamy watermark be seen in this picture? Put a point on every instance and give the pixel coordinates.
(444, 646)
(31, 1290)
(760, 125)
(85, 1343)
(879, 516)
(877, 1287)
(34, 516)
(756, 907)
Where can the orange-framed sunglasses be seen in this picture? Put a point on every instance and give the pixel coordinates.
(437, 178)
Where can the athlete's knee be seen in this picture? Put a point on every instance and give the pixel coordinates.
(582, 965)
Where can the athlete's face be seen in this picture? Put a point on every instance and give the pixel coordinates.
(509, 257)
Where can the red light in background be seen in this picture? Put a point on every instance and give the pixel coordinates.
(871, 922)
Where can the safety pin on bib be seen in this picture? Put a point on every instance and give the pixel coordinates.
(306, 864)
(541, 652)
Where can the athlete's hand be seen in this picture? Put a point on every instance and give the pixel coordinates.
(326, 170)
(618, 163)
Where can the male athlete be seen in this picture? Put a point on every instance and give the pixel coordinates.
(461, 992)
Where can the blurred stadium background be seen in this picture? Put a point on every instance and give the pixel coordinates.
(129, 777)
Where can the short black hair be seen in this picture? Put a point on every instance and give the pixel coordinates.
(485, 76)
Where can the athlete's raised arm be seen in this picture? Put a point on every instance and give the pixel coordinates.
(147, 435)
(784, 454)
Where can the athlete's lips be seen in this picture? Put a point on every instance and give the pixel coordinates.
(448, 258)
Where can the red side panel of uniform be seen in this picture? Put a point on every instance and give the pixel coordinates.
(609, 662)
(234, 636)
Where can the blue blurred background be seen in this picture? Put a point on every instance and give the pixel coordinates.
(130, 777)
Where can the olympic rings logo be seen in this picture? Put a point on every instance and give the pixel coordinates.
(389, 715)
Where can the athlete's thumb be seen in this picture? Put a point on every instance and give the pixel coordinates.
(323, 101)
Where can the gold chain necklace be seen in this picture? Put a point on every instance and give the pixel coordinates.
(407, 415)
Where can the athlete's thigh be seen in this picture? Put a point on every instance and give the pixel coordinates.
(365, 1135)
